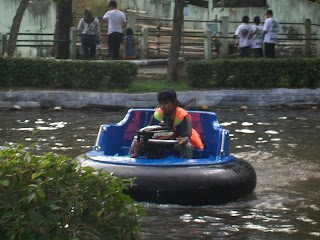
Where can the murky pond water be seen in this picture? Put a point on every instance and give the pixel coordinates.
(282, 145)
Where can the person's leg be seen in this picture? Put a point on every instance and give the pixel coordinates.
(260, 52)
(85, 46)
(117, 45)
(186, 150)
(111, 45)
(268, 50)
(272, 47)
(92, 47)
(241, 52)
(246, 52)
(133, 146)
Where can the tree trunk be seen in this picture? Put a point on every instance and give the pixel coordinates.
(62, 29)
(175, 40)
(14, 31)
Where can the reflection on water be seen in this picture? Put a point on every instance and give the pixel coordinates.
(282, 146)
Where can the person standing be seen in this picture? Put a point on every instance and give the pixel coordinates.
(257, 40)
(129, 43)
(271, 29)
(116, 23)
(243, 32)
(90, 34)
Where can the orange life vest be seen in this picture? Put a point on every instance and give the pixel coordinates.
(195, 139)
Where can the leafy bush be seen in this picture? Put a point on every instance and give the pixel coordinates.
(255, 73)
(28, 72)
(51, 197)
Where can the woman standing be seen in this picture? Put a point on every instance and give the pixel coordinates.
(90, 34)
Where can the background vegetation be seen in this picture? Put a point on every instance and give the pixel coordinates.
(255, 73)
(122, 76)
(27, 72)
(51, 197)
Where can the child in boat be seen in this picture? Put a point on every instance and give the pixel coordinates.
(169, 114)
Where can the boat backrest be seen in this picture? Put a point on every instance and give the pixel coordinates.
(207, 125)
(120, 135)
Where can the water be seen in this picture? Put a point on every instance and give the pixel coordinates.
(282, 146)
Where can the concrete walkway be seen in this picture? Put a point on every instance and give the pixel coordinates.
(218, 99)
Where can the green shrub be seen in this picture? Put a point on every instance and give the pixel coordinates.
(51, 197)
(255, 73)
(28, 72)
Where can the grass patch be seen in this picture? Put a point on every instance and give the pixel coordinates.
(156, 82)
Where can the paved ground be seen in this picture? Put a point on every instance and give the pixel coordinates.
(158, 69)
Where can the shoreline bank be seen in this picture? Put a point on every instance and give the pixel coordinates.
(215, 99)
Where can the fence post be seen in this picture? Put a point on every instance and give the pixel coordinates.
(307, 35)
(73, 43)
(3, 44)
(224, 35)
(207, 45)
(132, 21)
(144, 43)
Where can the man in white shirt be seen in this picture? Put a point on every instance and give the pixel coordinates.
(271, 29)
(257, 39)
(116, 23)
(243, 32)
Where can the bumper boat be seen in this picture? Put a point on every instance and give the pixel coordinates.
(212, 176)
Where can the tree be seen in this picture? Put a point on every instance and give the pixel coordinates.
(14, 31)
(175, 40)
(62, 29)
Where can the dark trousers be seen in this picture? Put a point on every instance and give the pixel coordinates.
(87, 41)
(114, 41)
(258, 52)
(269, 49)
(244, 52)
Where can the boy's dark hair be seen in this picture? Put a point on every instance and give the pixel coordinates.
(256, 19)
(129, 31)
(113, 4)
(245, 19)
(167, 94)
(270, 12)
